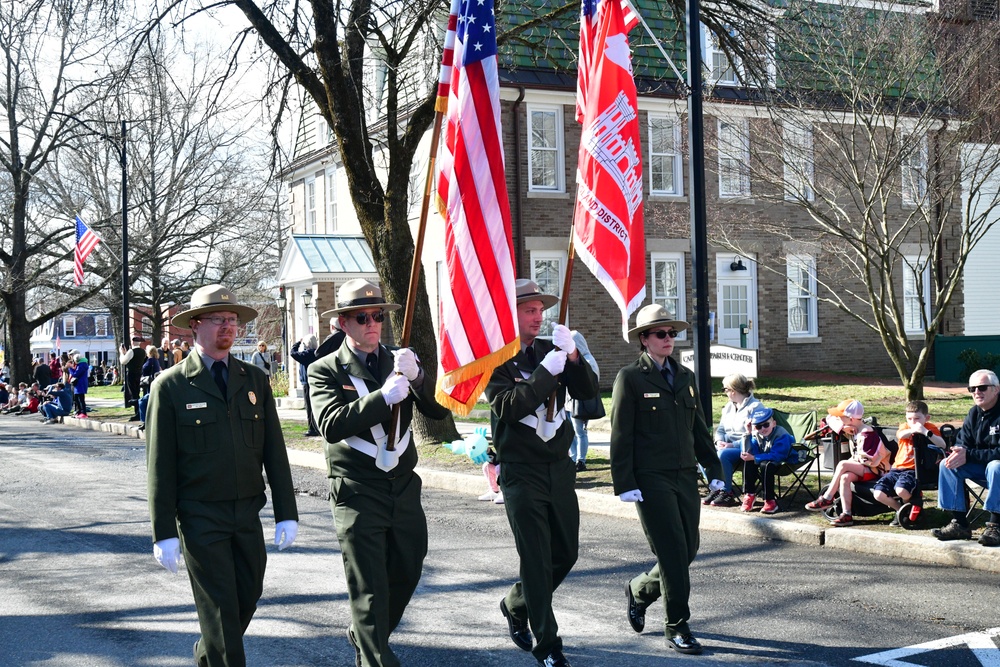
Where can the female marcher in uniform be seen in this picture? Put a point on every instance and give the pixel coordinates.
(659, 435)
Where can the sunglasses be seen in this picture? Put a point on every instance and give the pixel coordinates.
(982, 388)
(362, 318)
(661, 334)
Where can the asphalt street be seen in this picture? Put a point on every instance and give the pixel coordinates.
(80, 586)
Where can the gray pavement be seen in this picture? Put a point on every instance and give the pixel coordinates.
(911, 546)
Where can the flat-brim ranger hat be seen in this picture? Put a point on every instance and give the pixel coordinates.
(357, 294)
(527, 290)
(212, 299)
(655, 315)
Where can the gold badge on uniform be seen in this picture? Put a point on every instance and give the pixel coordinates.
(691, 389)
(253, 397)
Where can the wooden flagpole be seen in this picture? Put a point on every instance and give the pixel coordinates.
(418, 249)
(563, 308)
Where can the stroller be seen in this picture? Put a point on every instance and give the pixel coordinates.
(863, 503)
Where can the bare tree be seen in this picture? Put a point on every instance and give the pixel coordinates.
(875, 137)
(202, 204)
(51, 50)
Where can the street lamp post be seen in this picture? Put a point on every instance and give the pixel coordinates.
(307, 299)
(282, 302)
(122, 148)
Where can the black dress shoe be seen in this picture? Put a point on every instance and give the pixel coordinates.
(636, 613)
(134, 418)
(519, 632)
(555, 659)
(354, 644)
(684, 642)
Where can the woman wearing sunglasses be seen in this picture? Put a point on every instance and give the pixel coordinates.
(659, 435)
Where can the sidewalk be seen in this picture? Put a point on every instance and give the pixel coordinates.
(923, 548)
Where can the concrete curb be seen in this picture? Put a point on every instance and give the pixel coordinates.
(965, 554)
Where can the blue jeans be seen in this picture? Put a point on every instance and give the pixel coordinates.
(578, 450)
(951, 485)
(730, 458)
(51, 410)
(143, 402)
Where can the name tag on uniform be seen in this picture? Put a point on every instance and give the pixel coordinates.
(196, 406)
(348, 387)
(654, 394)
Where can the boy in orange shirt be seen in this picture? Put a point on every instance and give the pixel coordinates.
(901, 480)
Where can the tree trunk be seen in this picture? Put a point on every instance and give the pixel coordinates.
(19, 354)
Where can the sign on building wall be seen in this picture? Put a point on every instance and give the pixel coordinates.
(726, 360)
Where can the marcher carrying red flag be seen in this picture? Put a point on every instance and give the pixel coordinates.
(86, 241)
(478, 329)
(608, 224)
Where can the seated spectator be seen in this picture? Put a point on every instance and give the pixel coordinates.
(729, 434)
(16, 398)
(869, 459)
(975, 456)
(60, 405)
(767, 447)
(30, 404)
(901, 480)
(4, 394)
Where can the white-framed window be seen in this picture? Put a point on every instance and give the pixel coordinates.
(914, 168)
(916, 290)
(665, 166)
(69, 326)
(545, 149)
(331, 200)
(667, 269)
(101, 326)
(147, 327)
(734, 158)
(799, 160)
(547, 270)
(310, 206)
(801, 273)
(721, 70)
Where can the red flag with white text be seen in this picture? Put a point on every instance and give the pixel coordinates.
(478, 317)
(608, 230)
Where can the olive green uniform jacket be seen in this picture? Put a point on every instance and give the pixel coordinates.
(654, 427)
(513, 397)
(201, 447)
(339, 411)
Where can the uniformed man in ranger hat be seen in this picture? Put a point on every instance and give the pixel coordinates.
(537, 476)
(659, 435)
(374, 492)
(211, 427)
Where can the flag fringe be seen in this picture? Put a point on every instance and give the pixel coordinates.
(482, 368)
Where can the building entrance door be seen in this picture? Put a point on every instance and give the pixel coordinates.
(737, 300)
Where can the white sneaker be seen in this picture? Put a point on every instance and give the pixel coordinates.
(499, 499)
(489, 495)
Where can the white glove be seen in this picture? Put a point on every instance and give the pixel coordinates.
(635, 495)
(167, 552)
(285, 533)
(395, 389)
(405, 363)
(562, 338)
(555, 361)
(716, 485)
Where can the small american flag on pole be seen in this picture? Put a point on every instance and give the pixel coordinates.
(86, 241)
(478, 329)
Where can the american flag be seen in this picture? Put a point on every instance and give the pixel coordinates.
(608, 223)
(478, 329)
(588, 33)
(86, 241)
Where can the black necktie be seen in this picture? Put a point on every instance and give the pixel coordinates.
(532, 358)
(668, 374)
(371, 361)
(218, 372)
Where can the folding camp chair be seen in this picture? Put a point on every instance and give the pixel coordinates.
(975, 495)
(799, 425)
